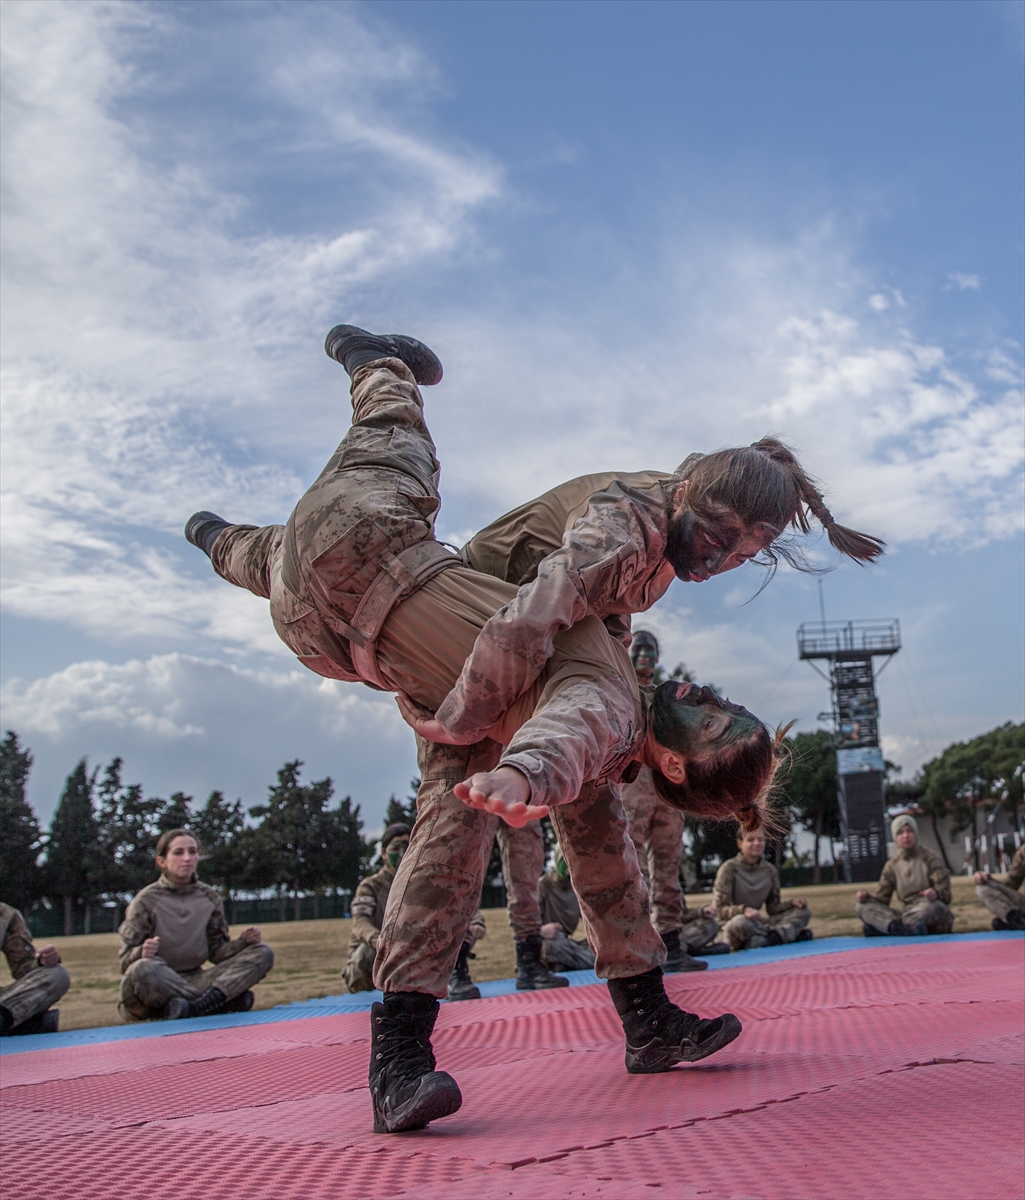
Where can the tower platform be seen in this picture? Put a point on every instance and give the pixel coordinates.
(879, 1068)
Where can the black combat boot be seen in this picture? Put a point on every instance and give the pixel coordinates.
(772, 938)
(406, 1091)
(354, 347)
(678, 959)
(709, 949)
(897, 928)
(6, 1021)
(532, 974)
(805, 935)
(202, 529)
(44, 1022)
(1015, 919)
(241, 1003)
(461, 986)
(205, 1005)
(658, 1034)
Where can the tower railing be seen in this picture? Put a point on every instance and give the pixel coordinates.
(847, 639)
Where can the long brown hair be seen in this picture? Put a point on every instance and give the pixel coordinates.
(168, 836)
(766, 488)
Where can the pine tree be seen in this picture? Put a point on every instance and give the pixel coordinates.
(810, 788)
(71, 849)
(225, 844)
(20, 837)
(128, 831)
(175, 813)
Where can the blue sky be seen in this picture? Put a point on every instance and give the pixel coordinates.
(630, 230)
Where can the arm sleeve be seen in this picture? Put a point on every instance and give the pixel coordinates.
(578, 733)
(478, 926)
(1016, 875)
(364, 909)
(773, 904)
(722, 894)
(604, 552)
(219, 942)
(135, 929)
(887, 885)
(939, 878)
(18, 947)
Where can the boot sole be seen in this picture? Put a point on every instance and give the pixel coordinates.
(657, 1056)
(437, 1096)
(540, 987)
(470, 994)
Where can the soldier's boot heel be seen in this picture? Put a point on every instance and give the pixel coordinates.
(1015, 919)
(354, 347)
(709, 950)
(44, 1022)
(531, 973)
(658, 1034)
(677, 957)
(461, 986)
(239, 1004)
(406, 1090)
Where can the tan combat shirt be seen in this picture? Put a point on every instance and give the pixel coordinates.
(594, 545)
(558, 902)
(1016, 875)
(188, 920)
(738, 885)
(369, 903)
(16, 942)
(909, 873)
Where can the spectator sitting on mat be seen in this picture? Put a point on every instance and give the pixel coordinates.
(921, 883)
(1004, 900)
(560, 915)
(368, 907)
(39, 979)
(742, 885)
(171, 928)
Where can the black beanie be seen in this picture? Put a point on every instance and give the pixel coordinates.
(393, 831)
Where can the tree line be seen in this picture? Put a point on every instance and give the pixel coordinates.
(102, 839)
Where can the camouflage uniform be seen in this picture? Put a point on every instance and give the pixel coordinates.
(573, 731)
(35, 987)
(560, 906)
(738, 886)
(368, 909)
(189, 920)
(1004, 898)
(907, 875)
(523, 863)
(656, 829)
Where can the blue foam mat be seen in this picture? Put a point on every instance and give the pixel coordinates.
(330, 1005)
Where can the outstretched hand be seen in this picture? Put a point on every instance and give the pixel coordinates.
(421, 721)
(504, 792)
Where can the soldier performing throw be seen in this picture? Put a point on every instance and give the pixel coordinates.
(360, 589)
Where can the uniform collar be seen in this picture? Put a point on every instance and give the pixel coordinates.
(166, 881)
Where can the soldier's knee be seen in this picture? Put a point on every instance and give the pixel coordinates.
(58, 979)
(263, 956)
(142, 970)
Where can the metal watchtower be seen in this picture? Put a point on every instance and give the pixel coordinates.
(850, 647)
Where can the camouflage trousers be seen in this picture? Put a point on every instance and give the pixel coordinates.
(358, 971)
(437, 886)
(745, 933)
(656, 830)
(698, 930)
(563, 953)
(149, 983)
(937, 916)
(523, 864)
(34, 992)
(1000, 899)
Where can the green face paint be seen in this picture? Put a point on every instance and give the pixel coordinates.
(561, 869)
(396, 848)
(694, 720)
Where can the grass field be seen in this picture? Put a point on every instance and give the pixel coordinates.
(309, 954)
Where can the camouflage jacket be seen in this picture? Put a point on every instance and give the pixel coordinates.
(16, 941)
(738, 885)
(188, 920)
(595, 545)
(558, 901)
(1016, 875)
(909, 873)
(369, 903)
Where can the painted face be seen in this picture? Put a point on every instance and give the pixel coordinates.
(396, 848)
(645, 661)
(699, 548)
(180, 860)
(752, 846)
(695, 721)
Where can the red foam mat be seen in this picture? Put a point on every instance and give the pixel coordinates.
(894, 1071)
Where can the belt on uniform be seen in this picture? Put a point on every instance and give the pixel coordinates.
(401, 575)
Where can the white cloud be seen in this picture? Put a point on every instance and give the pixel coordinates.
(963, 282)
(878, 302)
(182, 722)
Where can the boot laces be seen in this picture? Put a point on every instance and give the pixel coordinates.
(406, 1045)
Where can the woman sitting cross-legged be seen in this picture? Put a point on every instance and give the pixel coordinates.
(171, 928)
(742, 886)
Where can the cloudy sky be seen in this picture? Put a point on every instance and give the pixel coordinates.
(630, 231)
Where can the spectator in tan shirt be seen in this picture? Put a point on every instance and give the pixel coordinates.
(921, 884)
(742, 886)
(1005, 900)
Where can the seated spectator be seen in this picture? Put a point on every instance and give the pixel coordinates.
(1005, 900)
(170, 929)
(921, 884)
(742, 886)
(560, 915)
(39, 979)
(368, 906)
(700, 928)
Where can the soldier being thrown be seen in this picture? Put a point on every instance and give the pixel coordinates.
(368, 907)
(921, 884)
(39, 979)
(742, 886)
(1004, 900)
(170, 929)
(360, 589)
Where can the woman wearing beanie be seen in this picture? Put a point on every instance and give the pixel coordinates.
(921, 884)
